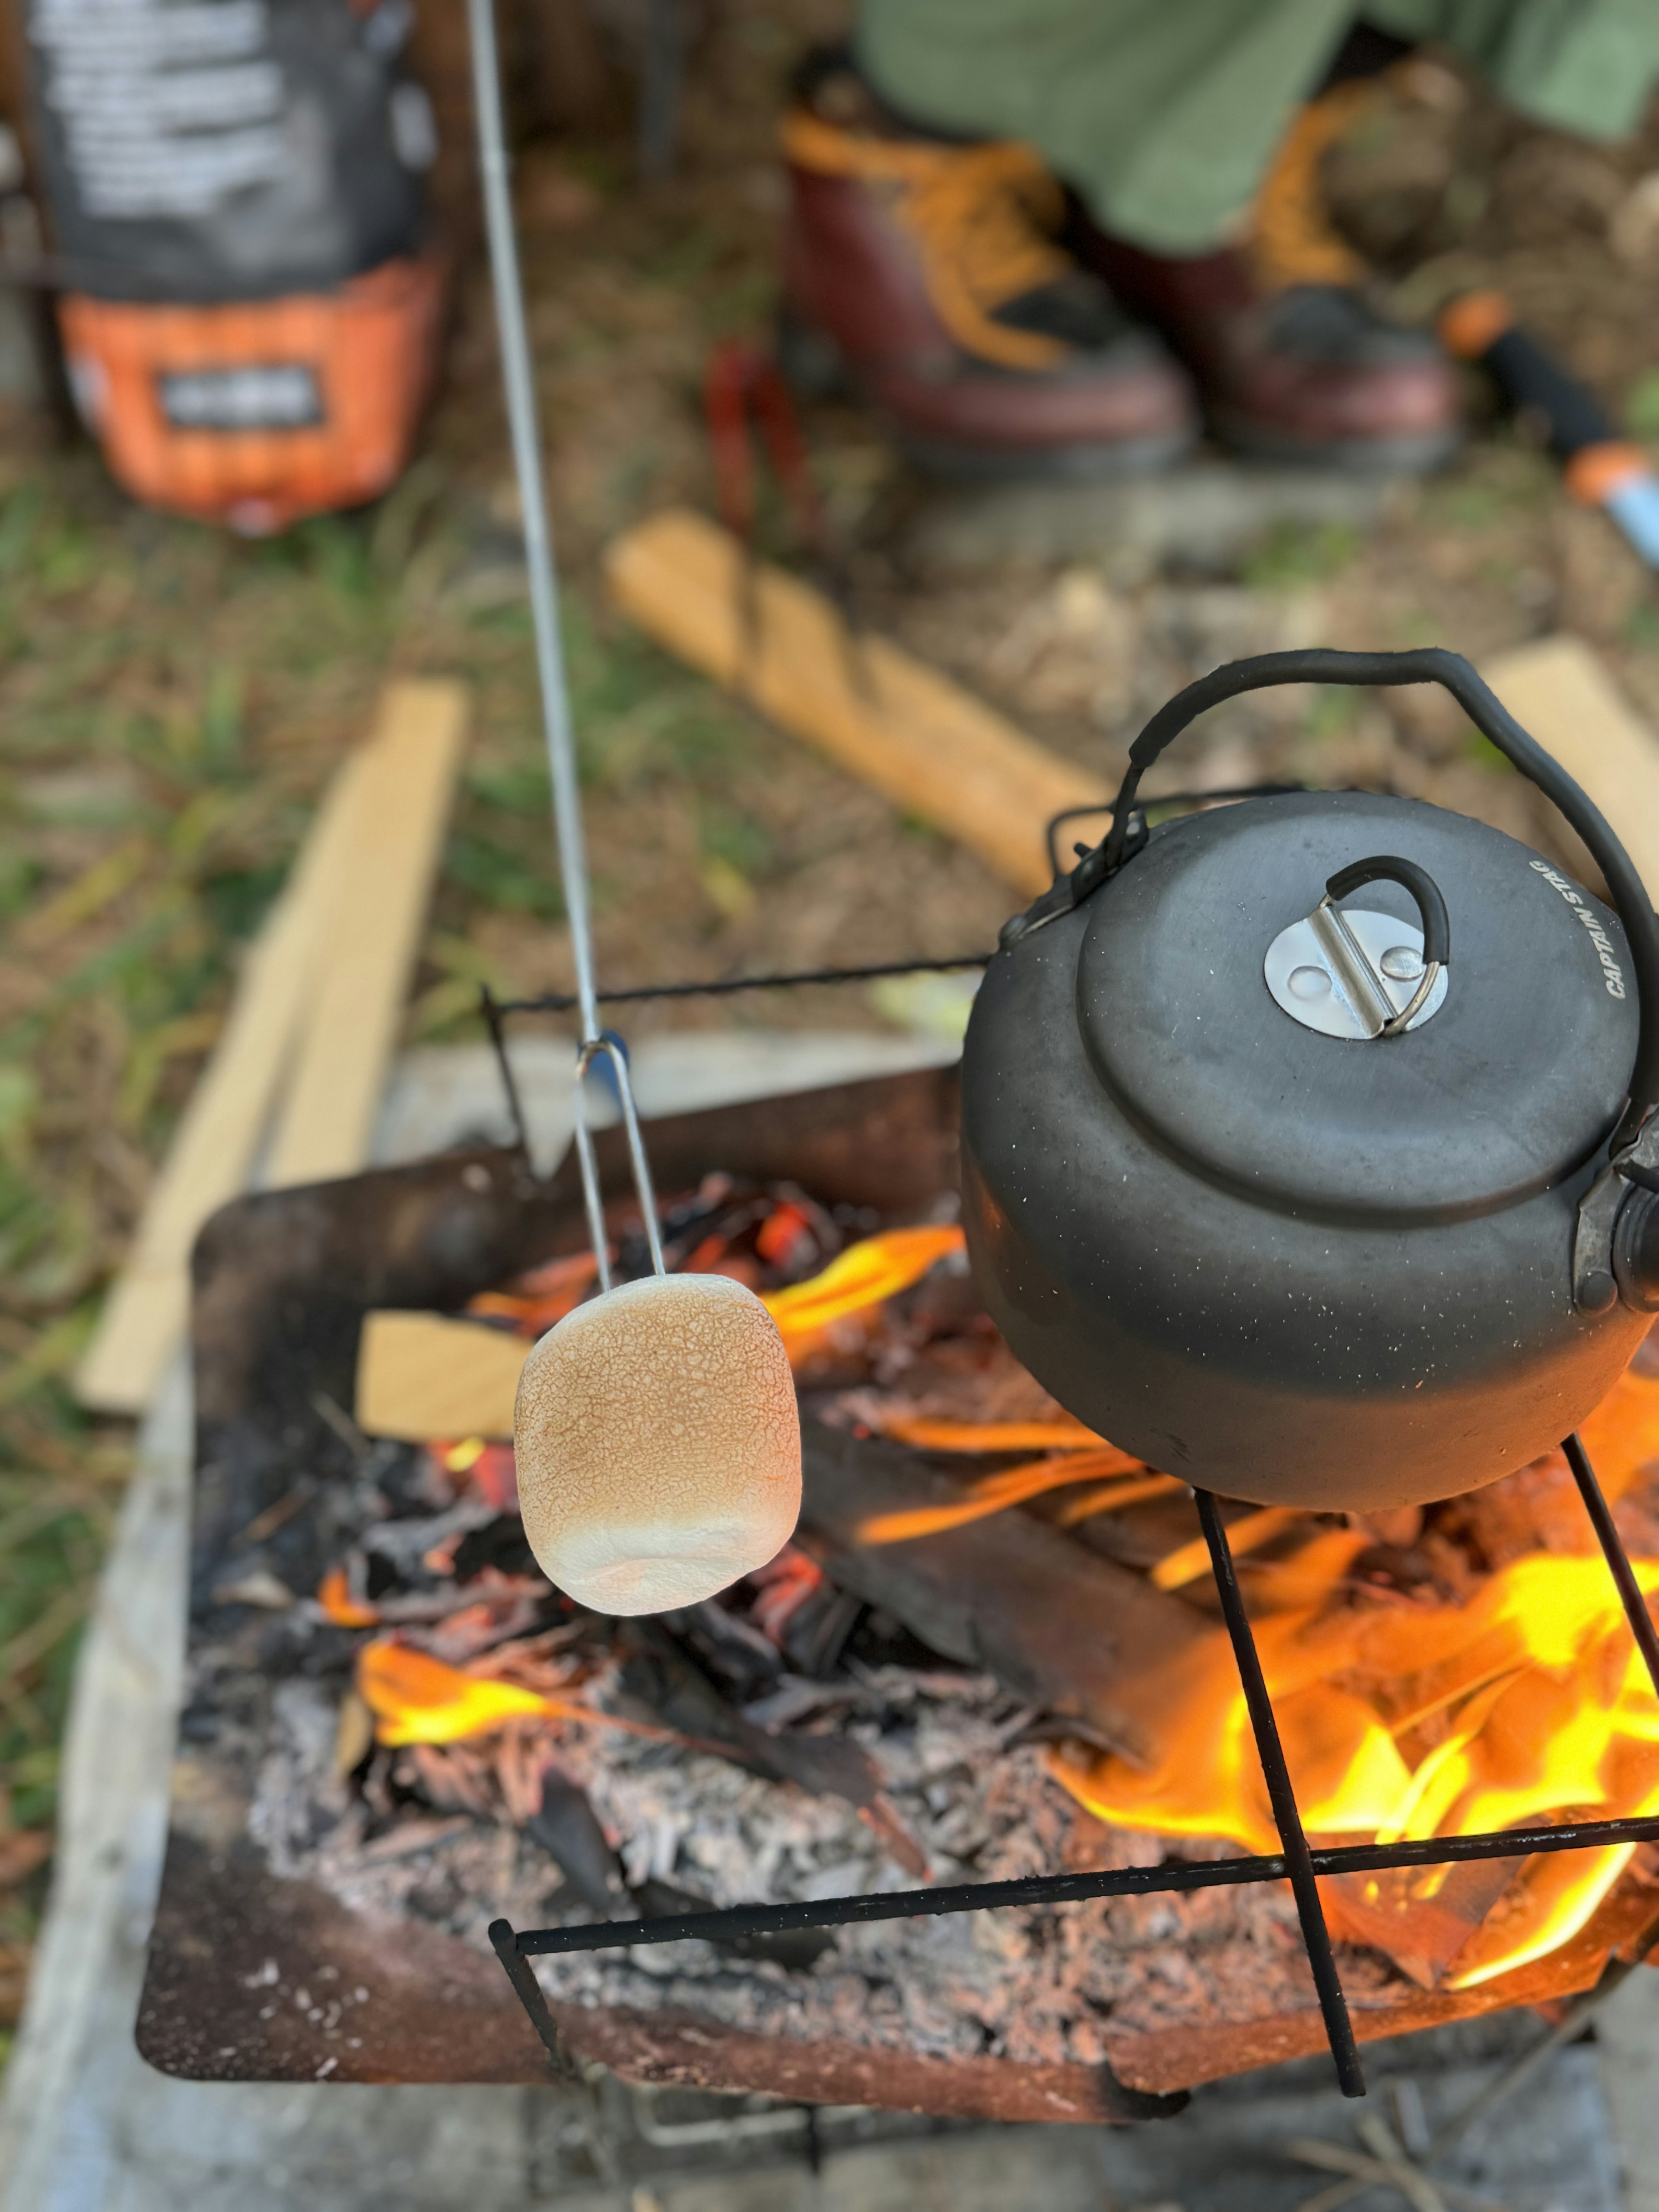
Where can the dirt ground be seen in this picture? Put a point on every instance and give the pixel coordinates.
(172, 701)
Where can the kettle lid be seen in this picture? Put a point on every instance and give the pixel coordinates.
(1276, 1038)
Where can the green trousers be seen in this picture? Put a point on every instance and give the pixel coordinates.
(1164, 113)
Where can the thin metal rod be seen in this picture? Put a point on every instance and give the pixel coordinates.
(1298, 1859)
(609, 1048)
(491, 1008)
(518, 374)
(1618, 1566)
(561, 1002)
(592, 1200)
(1179, 1874)
(529, 1990)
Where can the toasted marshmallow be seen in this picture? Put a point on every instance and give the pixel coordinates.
(657, 1444)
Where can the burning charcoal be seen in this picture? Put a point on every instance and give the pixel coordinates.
(818, 1635)
(401, 1546)
(1420, 1922)
(739, 1657)
(567, 1828)
(453, 1776)
(499, 1542)
(1061, 1628)
(659, 1675)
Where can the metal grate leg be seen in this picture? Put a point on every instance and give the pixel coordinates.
(504, 1937)
(1618, 1559)
(1298, 1861)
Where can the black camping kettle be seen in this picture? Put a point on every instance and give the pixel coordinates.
(1308, 1146)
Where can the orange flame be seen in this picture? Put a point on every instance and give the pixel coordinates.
(1062, 1434)
(1178, 1568)
(994, 1494)
(416, 1699)
(1529, 1703)
(876, 1267)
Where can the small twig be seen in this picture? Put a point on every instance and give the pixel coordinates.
(341, 1423)
(1364, 2172)
(1379, 2138)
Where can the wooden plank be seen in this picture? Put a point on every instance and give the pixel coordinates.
(408, 775)
(920, 740)
(1560, 690)
(324, 986)
(213, 1147)
(424, 1375)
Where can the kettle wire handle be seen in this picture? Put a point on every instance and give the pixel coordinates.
(1389, 867)
(1434, 664)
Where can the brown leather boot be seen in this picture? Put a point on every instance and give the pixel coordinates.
(1291, 360)
(923, 276)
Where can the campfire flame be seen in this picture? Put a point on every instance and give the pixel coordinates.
(876, 1268)
(416, 1699)
(994, 1494)
(1528, 1703)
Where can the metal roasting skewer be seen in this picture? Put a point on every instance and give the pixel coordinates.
(517, 376)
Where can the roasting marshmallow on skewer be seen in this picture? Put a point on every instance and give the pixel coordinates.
(657, 1444)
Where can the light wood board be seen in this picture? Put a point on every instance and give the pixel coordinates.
(424, 1375)
(144, 1314)
(316, 979)
(401, 806)
(920, 740)
(1560, 690)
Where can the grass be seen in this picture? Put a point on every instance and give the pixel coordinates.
(172, 702)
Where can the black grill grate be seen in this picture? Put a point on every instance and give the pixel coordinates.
(1297, 1861)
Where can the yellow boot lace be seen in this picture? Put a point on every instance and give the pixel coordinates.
(1292, 239)
(981, 217)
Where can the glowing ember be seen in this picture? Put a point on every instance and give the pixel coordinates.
(338, 1605)
(1528, 1703)
(876, 1268)
(547, 1294)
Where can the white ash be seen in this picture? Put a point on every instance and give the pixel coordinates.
(1032, 1985)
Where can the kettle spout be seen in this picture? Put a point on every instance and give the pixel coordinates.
(1635, 1248)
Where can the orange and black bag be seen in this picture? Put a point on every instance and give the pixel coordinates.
(236, 190)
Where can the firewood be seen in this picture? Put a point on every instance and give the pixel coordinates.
(1059, 1626)
(921, 740)
(425, 1374)
(374, 932)
(326, 977)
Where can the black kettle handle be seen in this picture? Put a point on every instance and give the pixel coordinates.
(1433, 665)
(1389, 867)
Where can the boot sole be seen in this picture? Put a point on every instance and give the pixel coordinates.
(1093, 463)
(1417, 454)
(814, 366)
